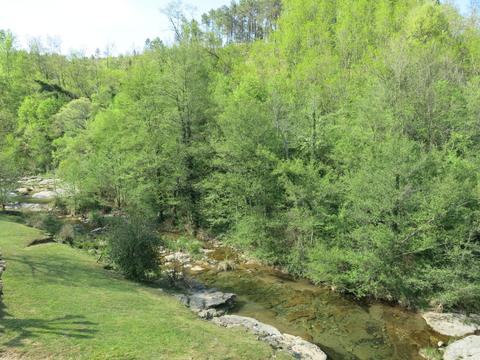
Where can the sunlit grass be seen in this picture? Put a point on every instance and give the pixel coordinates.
(59, 303)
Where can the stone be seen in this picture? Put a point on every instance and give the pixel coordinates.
(296, 346)
(256, 327)
(47, 182)
(208, 299)
(451, 324)
(45, 195)
(209, 314)
(33, 207)
(97, 230)
(466, 349)
(302, 349)
(197, 268)
(23, 191)
(178, 257)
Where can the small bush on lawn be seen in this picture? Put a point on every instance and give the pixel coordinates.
(133, 247)
(66, 234)
(43, 221)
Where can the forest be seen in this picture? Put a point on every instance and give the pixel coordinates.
(338, 140)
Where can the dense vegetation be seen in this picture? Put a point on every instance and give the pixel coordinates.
(343, 146)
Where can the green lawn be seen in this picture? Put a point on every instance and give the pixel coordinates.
(60, 304)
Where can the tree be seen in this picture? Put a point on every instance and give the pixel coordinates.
(8, 176)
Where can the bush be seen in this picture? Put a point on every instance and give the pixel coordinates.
(46, 222)
(96, 219)
(133, 247)
(66, 234)
(186, 244)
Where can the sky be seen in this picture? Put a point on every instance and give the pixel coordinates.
(85, 25)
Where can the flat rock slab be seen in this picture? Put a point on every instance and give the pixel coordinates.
(465, 349)
(208, 299)
(299, 348)
(45, 195)
(255, 326)
(452, 324)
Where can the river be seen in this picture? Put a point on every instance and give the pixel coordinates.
(345, 329)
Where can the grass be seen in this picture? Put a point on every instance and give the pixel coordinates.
(60, 304)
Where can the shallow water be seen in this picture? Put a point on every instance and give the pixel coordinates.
(344, 328)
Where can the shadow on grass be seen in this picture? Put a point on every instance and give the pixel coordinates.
(18, 331)
(68, 271)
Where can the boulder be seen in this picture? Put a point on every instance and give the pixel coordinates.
(47, 182)
(197, 268)
(451, 324)
(467, 348)
(180, 257)
(210, 299)
(23, 191)
(45, 195)
(258, 328)
(296, 346)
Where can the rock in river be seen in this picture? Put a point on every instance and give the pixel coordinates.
(299, 348)
(465, 349)
(209, 299)
(45, 195)
(451, 324)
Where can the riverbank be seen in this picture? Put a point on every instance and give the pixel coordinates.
(60, 303)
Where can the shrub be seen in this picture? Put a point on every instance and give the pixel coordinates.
(66, 234)
(96, 219)
(46, 222)
(133, 247)
(187, 244)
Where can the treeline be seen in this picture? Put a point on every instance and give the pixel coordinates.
(245, 21)
(344, 146)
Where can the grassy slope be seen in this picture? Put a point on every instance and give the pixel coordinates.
(60, 304)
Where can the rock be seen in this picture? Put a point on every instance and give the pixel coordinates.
(32, 207)
(97, 231)
(209, 314)
(45, 195)
(440, 344)
(209, 299)
(294, 345)
(23, 191)
(258, 328)
(179, 257)
(302, 349)
(451, 324)
(197, 268)
(467, 348)
(47, 182)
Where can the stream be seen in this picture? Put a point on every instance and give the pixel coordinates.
(345, 329)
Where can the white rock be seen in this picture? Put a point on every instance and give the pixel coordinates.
(197, 268)
(465, 349)
(46, 182)
(23, 191)
(451, 324)
(296, 346)
(45, 195)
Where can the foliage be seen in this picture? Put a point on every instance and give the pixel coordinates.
(44, 221)
(133, 247)
(338, 139)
